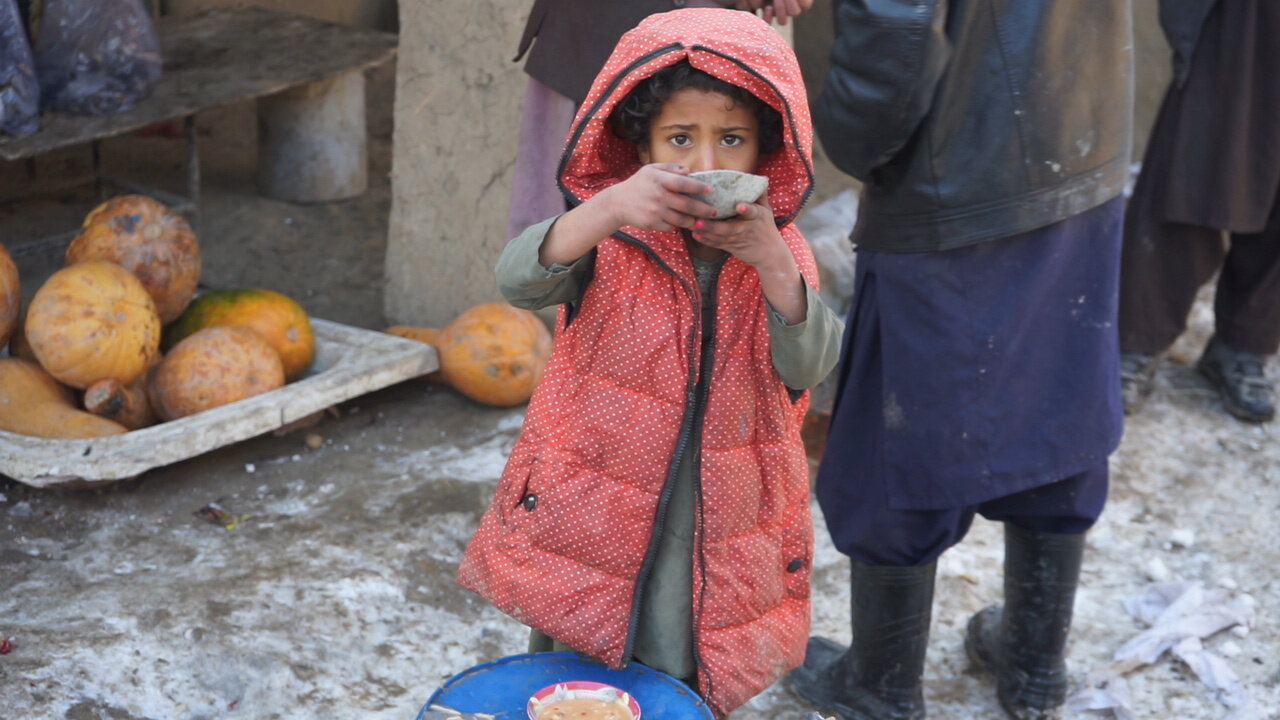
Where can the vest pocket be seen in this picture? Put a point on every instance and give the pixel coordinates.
(797, 555)
(514, 486)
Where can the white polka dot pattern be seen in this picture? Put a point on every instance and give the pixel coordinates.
(561, 545)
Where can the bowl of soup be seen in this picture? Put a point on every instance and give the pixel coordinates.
(582, 700)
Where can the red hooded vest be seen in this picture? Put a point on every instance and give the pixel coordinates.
(564, 544)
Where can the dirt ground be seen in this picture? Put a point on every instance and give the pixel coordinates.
(332, 596)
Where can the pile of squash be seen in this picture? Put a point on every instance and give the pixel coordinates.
(492, 353)
(118, 339)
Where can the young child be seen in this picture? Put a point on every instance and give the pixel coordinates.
(656, 505)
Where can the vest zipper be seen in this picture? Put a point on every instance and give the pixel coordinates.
(682, 442)
(700, 411)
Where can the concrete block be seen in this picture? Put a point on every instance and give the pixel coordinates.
(313, 141)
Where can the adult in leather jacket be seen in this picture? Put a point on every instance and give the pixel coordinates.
(978, 374)
(976, 119)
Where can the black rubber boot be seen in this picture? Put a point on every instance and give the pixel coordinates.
(878, 676)
(1025, 644)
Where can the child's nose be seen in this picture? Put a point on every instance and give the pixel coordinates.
(704, 159)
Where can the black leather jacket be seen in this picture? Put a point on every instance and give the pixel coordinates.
(970, 120)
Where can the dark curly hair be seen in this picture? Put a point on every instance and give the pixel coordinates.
(631, 118)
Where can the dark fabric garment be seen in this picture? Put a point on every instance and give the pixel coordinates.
(1214, 154)
(1164, 265)
(575, 37)
(1212, 168)
(973, 120)
(870, 532)
(1182, 21)
(977, 373)
(545, 118)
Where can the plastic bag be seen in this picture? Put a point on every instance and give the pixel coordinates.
(96, 57)
(19, 89)
(827, 228)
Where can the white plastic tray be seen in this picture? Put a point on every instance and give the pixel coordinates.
(349, 362)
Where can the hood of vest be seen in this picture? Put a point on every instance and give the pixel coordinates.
(734, 46)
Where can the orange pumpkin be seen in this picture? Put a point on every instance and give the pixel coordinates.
(213, 367)
(90, 321)
(10, 295)
(422, 335)
(33, 403)
(275, 316)
(125, 404)
(18, 345)
(494, 353)
(149, 240)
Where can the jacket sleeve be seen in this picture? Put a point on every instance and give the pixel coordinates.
(885, 64)
(804, 353)
(525, 283)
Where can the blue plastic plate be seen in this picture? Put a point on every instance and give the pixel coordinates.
(503, 687)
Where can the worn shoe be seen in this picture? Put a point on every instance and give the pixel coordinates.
(1137, 378)
(1241, 380)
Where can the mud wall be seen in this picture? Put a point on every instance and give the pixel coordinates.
(458, 97)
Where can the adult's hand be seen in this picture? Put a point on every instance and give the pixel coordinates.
(780, 10)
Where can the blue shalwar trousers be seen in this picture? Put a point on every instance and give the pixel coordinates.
(978, 380)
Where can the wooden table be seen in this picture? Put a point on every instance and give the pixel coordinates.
(215, 58)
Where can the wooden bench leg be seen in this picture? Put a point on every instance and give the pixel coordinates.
(313, 142)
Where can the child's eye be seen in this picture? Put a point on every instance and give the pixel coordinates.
(731, 140)
(681, 140)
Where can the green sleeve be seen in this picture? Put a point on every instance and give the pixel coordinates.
(804, 353)
(525, 283)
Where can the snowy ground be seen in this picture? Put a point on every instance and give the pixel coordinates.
(334, 598)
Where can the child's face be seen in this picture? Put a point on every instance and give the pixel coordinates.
(703, 130)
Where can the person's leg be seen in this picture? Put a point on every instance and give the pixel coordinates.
(1024, 642)
(1162, 265)
(892, 554)
(879, 675)
(542, 642)
(1162, 268)
(1247, 323)
(1247, 304)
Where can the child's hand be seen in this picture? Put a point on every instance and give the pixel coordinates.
(751, 236)
(655, 198)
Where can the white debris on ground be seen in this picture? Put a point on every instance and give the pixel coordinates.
(1179, 616)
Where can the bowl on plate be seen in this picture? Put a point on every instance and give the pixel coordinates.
(728, 188)
(543, 704)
